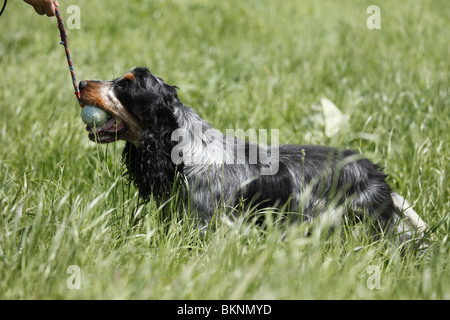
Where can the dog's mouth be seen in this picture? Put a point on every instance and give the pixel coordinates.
(120, 123)
(111, 131)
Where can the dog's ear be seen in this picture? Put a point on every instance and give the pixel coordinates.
(168, 93)
(150, 164)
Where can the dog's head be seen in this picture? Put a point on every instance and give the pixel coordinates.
(141, 107)
(135, 102)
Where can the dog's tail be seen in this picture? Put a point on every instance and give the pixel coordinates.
(410, 227)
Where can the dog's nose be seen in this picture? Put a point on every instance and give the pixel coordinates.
(83, 84)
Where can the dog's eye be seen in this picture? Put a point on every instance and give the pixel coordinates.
(123, 85)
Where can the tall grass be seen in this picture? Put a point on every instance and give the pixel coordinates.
(240, 64)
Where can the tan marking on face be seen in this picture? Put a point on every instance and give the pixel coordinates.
(128, 76)
(91, 94)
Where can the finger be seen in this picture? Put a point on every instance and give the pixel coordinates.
(50, 11)
(49, 8)
(39, 10)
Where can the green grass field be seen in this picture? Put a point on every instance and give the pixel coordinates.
(239, 64)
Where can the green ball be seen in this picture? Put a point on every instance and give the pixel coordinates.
(94, 117)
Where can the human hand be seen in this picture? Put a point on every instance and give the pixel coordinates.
(44, 6)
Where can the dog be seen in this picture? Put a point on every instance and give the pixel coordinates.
(167, 143)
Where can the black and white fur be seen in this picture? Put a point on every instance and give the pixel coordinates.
(168, 142)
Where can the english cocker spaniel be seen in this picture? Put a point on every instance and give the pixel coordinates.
(168, 143)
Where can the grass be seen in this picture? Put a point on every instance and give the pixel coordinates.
(240, 64)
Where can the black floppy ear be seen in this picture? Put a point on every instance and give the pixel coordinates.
(168, 93)
(150, 164)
